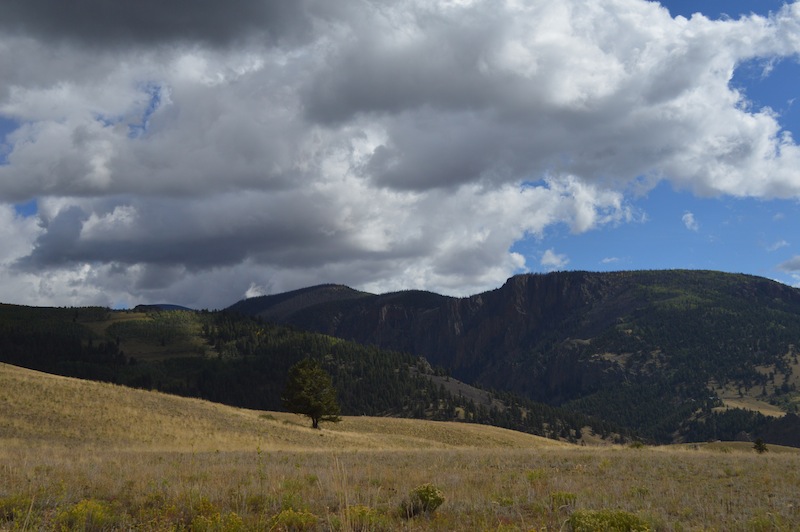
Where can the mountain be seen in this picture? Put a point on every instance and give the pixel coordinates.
(160, 306)
(281, 306)
(655, 351)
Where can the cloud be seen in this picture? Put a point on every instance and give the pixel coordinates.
(385, 145)
(777, 245)
(553, 261)
(690, 222)
(99, 23)
(609, 260)
(790, 266)
(255, 290)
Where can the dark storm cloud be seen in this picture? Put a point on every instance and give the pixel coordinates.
(57, 243)
(146, 22)
(195, 235)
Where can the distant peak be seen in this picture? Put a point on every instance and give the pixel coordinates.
(160, 306)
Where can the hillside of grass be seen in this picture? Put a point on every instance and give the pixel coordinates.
(39, 408)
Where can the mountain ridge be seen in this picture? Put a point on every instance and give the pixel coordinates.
(566, 337)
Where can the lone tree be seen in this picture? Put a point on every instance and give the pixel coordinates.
(310, 392)
(759, 446)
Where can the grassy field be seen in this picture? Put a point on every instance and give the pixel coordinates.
(78, 455)
(151, 335)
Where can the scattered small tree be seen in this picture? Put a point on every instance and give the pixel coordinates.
(424, 499)
(759, 446)
(310, 392)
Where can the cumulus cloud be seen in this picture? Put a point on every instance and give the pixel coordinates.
(553, 261)
(689, 221)
(385, 145)
(790, 266)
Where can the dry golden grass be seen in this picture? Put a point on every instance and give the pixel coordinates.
(757, 397)
(88, 456)
(731, 399)
(39, 407)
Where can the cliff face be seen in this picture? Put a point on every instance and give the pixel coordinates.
(487, 338)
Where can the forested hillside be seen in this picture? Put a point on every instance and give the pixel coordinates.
(238, 360)
(654, 351)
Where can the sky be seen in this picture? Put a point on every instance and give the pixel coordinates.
(197, 153)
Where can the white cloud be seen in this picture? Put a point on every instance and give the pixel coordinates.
(398, 145)
(777, 245)
(690, 222)
(609, 260)
(17, 234)
(553, 261)
(255, 290)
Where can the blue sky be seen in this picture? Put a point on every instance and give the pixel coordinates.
(255, 147)
(733, 235)
(739, 235)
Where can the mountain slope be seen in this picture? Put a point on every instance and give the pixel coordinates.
(650, 350)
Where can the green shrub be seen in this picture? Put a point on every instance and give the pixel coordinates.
(561, 500)
(230, 522)
(208, 518)
(14, 508)
(87, 515)
(422, 499)
(606, 520)
(536, 477)
(290, 520)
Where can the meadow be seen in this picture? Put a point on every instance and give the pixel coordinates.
(78, 455)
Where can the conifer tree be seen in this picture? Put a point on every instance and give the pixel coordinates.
(759, 446)
(310, 392)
